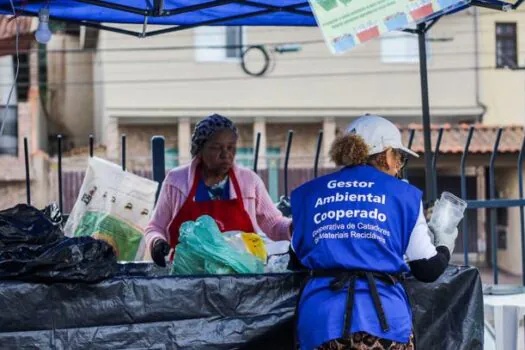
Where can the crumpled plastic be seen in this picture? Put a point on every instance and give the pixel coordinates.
(249, 242)
(203, 249)
(277, 264)
(33, 248)
(52, 212)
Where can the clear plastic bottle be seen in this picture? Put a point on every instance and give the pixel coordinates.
(447, 213)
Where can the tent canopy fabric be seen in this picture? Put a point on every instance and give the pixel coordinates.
(193, 12)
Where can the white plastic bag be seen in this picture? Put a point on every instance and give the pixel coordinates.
(277, 264)
(115, 206)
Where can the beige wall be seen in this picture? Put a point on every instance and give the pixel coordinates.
(99, 119)
(308, 84)
(502, 90)
(510, 259)
(503, 93)
(70, 90)
(12, 169)
(12, 193)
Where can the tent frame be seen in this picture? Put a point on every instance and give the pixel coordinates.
(159, 10)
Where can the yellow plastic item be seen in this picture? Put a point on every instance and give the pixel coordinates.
(255, 245)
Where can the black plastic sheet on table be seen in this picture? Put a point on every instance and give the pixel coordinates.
(136, 311)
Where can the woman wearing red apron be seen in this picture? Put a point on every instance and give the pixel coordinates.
(213, 185)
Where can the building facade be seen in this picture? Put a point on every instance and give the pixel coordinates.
(502, 91)
(164, 85)
(118, 85)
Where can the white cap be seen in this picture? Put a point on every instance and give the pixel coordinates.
(378, 133)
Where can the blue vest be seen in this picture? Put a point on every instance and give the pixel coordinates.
(358, 218)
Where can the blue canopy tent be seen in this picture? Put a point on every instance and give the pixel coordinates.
(178, 15)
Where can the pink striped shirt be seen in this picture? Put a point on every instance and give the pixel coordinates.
(257, 202)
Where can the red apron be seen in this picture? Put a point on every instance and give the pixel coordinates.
(230, 214)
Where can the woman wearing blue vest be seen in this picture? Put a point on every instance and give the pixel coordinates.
(353, 230)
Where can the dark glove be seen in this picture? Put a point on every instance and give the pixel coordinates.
(284, 206)
(159, 251)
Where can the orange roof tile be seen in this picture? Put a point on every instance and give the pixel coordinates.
(8, 34)
(455, 137)
(8, 26)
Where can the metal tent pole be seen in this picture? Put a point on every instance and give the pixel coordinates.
(423, 72)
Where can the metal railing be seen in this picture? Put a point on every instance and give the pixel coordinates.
(491, 204)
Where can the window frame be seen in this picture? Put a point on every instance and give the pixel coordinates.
(505, 36)
(15, 124)
(224, 58)
(171, 154)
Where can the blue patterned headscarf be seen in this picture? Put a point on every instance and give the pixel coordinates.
(206, 128)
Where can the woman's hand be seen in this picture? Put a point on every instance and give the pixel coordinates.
(285, 206)
(159, 251)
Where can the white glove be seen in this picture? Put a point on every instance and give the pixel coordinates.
(445, 239)
(431, 235)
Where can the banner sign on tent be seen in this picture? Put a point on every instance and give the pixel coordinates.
(348, 23)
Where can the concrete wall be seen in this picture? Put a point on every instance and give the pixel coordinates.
(510, 258)
(12, 169)
(158, 83)
(502, 90)
(98, 92)
(70, 90)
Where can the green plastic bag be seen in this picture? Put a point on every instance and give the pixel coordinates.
(186, 262)
(204, 249)
(217, 269)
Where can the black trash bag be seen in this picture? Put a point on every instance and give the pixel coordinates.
(25, 225)
(33, 248)
(448, 313)
(142, 269)
(211, 312)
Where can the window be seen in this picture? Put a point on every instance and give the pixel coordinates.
(9, 137)
(42, 72)
(216, 44)
(244, 156)
(171, 158)
(400, 47)
(506, 45)
(233, 41)
(22, 87)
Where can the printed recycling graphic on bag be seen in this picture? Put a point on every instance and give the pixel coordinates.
(348, 23)
(115, 206)
(124, 238)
